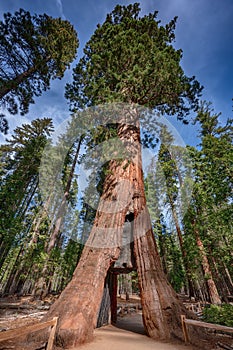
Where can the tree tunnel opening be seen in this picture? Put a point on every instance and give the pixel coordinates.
(121, 303)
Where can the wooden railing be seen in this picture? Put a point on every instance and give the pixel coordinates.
(18, 332)
(217, 327)
(197, 308)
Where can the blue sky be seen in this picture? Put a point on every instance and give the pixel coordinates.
(204, 32)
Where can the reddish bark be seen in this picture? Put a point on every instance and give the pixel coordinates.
(79, 303)
(211, 287)
(160, 305)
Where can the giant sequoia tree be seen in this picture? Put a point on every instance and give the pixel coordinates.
(34, 50)
(129, 60)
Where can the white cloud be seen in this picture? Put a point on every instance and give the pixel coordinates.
(60, 8)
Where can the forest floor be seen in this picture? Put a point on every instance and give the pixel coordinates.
(127, 334)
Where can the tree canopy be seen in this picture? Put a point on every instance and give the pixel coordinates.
(131, 59)
(34, 50)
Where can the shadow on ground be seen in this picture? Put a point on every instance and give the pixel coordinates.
(132, 323)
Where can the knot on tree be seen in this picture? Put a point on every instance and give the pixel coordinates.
(136, 194)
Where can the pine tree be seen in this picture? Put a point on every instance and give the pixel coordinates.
(34, 50)
(20, 178)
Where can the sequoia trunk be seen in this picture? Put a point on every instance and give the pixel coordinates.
(79, 303)
(161, 308)
(123, 194)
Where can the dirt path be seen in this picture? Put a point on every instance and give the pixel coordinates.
(112, 338)
(117, 338)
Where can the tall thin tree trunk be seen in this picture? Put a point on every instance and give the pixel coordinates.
(183, 250)
(227, 278)
(220, 281)
(63, 204)
(212, 289)
(40, 216)
(162, 248)
(176, 175)
(14, 273)
(41, 286)
(23, 207)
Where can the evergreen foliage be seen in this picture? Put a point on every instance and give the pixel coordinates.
(19, 180)
(131, 59)
(34, 50)
(219, 314)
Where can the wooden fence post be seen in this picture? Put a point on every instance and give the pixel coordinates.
(52, 334)
(184, 328)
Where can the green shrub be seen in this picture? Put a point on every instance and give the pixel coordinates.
(219, 314)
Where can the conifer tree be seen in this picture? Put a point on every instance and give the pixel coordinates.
(212, 195)
(19, 182)
(34, 50)
(128, 59)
